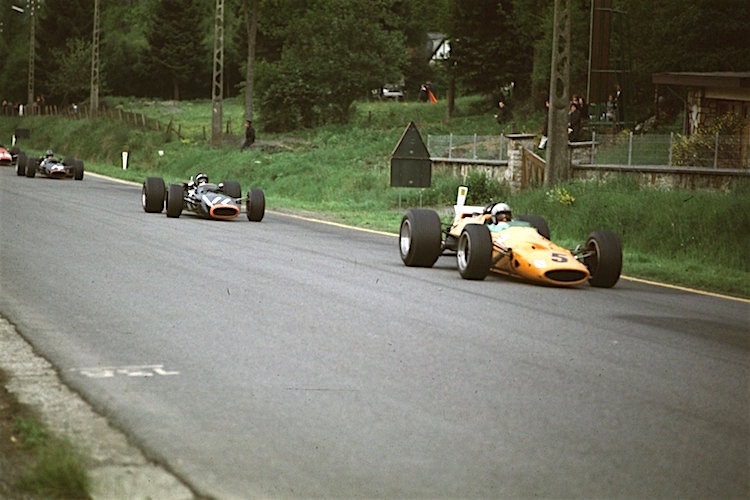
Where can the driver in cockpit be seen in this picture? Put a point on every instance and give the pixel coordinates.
(199, 180)
(500, 216)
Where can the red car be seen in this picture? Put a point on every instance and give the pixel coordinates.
(8, 156)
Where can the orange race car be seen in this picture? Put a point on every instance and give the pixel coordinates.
(486, 239)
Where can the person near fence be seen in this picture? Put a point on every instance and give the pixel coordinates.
(501, 115)
(430, 92)
(583, 107)
(545, 121)
(574, 122)
(249, 135)
(619, 107)
(610, 113)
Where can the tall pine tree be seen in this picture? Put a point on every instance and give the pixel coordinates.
(178, 54)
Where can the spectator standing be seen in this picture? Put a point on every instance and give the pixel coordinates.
(611, 108)
(249, 135)
(543, 141)
(583, 107)
(430, 92)
(574, 123)
(619, 107)
(501, 116)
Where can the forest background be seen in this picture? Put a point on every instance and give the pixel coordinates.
(315, 58)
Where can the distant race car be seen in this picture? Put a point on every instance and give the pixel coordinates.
(212, 201)
(49, 166)
(8, 156)
(520, 247)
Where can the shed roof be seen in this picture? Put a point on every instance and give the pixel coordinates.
(716, 79)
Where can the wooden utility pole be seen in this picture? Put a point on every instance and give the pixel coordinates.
(32, 54)
(94, 98)
(558, 161)
(218, 77)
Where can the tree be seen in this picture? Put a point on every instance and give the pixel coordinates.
(579, 38)
(416, 20)
(485, 52)
(334, 51)
(72, 81)
(250, 14)
(124, 47)
(14, 54)
(178, 52)
(702, 35)
(60, 21)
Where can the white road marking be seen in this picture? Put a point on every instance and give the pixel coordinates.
(128, 371)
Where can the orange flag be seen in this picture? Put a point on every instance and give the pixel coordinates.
(432, 96)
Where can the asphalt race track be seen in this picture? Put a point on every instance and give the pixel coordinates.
(291, 358)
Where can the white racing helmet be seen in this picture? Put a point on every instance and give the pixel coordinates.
(501, 213)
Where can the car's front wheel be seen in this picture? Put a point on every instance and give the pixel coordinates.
(604, 260)
(152, 195)
(78, 170)
(420, 237)
(474, 252)
(255, 205)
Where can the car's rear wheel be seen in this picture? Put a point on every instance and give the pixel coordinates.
(78, 170)
(175, 200)
(539, 223)
(152, 195)
(21, 164)
(420, 237)
(255, 204)
(474, 253)
(604, 261)
(232, 189)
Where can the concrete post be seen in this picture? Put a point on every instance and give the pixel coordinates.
(558, 163)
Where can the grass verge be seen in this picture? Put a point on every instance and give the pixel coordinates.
(34, 462)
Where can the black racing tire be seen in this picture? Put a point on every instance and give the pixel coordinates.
(175, 200)
(152, 195)
(31, 164)
(69, 162)
(420, 237)
(14, 150)
(78, 175)
(539, 222)
(474, 252)
(605, 258)
(255, 205)
(21, 164)
(232, 189)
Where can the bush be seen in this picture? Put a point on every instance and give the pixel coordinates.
(699, 149)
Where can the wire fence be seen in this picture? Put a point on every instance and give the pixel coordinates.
(470, 147)
(699, 150)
